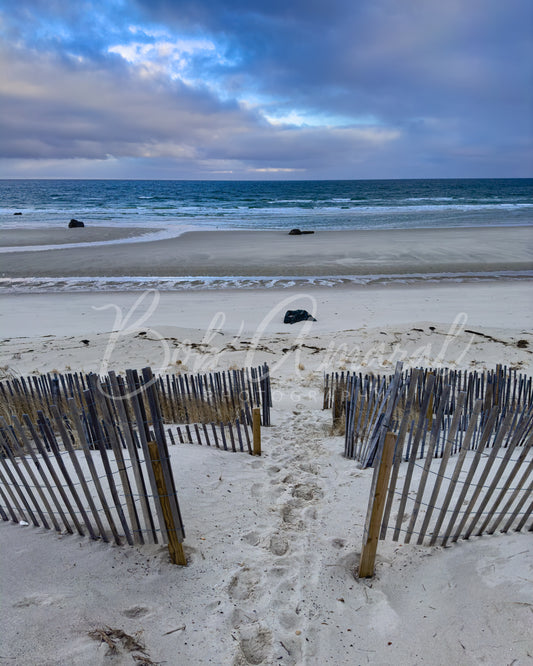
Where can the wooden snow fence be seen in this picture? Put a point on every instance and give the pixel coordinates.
(214, 409)
(100, 468)
(90, 454)
(360, 402)
(216, 397)
(226, 409)
(468, 463)
(225, 396)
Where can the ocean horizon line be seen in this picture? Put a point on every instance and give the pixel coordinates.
(270, 180)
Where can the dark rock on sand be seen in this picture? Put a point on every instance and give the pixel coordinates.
(299, 232)
(17, 213)
(294, 316)
(73, 224)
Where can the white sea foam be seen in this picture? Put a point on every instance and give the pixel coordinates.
(206, 282)
(160, 234)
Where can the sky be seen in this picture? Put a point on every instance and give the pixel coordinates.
(266, 89)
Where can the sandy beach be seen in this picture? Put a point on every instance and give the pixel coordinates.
(272, 405)
(275, 253)
(356, 326)
(270, 577)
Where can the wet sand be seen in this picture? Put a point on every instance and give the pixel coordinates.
(32, 237)
(275, 253)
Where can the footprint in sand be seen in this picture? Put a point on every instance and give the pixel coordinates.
(256, 490)
(311, 468)
(307, 491)
(338, 543)
(278, 544)
(277, 489)
(242, 584)
(255, 645)
(278, 572)
(290, 516)
(38, 600)
(252, 538)
(310, 513)
(278, 455)
(288, 620)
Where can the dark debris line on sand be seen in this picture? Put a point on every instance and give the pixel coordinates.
(117, 639)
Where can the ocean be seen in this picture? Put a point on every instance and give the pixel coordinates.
(178, 206)
(316, 205)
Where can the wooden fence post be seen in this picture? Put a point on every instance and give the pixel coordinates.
(368, 554)
(338, 404)
(430, 406)
(257, 430)
(175, 548)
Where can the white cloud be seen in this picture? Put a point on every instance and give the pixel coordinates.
(303, 118)
(273, 170)
(141, 52)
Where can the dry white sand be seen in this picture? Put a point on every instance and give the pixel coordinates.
(358, 328)
(272, 543)
(272, 546)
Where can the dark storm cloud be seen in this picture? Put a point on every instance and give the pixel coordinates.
(376, 44)
(361, 89)
(396, 61)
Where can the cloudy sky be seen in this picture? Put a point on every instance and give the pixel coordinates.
(249, 89)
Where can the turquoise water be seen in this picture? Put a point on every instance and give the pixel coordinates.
(383, 204)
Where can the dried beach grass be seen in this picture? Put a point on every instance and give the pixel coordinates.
(117, 640)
